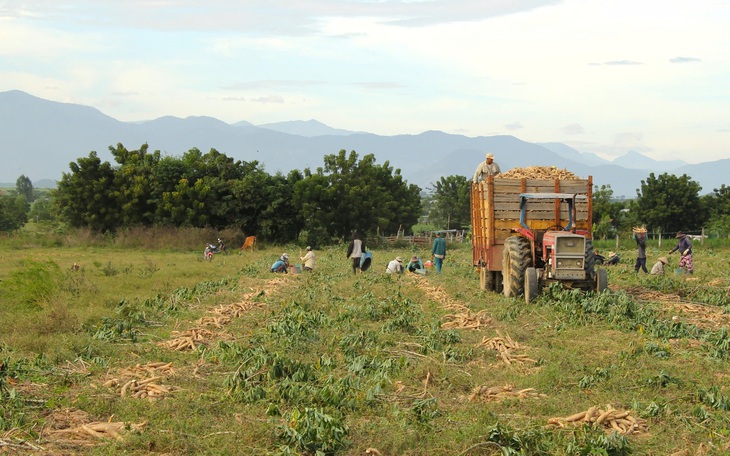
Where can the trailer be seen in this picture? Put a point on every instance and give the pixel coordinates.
(527, 233)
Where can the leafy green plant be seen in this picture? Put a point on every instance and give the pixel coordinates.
(599, 374)
(312, 431)
(718, 343)
(425, 410)
(149, 269)
(714, 398)
(662, 380)
(109, 270)
(657, 350)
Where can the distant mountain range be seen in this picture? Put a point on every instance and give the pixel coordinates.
(41, 137)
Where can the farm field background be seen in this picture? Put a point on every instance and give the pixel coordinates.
(143, 351)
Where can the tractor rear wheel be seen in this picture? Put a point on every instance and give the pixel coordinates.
(531, 286)
(515, 260)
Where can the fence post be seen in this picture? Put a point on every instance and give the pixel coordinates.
(702, 239)
(617, 242)
(660, 238)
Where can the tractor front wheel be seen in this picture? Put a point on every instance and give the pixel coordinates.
(531, 286)
(515, 261)
(601, 280)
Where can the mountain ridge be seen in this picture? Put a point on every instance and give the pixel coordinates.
(43, 137)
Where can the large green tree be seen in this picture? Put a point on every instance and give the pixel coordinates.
(670, 203)
(13, 212)
(348, 194)
(451, 202)
(717, 205)
(24, 187)
(134, 183)
(86, 195)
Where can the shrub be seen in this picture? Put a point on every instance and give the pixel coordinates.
(35, 282)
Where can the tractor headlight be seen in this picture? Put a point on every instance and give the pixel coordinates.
(578, 264)
(560, 263)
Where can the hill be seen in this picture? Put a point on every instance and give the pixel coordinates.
(42, 137)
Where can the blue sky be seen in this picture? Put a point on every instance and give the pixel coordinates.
(601, 76)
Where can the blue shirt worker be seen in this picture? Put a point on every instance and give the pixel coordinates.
(438, 251)
(281, 265)
(416, 265)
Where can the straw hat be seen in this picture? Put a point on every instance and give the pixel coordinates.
(610, 254)
(664, 260)
(490, 155)
(399, 259)
(680, 235)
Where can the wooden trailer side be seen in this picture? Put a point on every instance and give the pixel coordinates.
(495, 212)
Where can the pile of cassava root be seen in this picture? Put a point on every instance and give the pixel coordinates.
(93, 431)
(539, 172)
(499, 393)
(621, 421)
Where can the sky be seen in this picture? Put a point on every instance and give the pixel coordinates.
(607, 77)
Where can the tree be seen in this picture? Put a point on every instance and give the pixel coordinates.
(451, 205)
(133, 184)
(13, 212)
(200, 189)
(609, 215)
(85, 196)
(717, 205)
(670, 203)
(24, 187)
(348, 194)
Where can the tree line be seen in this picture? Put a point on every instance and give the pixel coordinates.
(212, 190)
(346, 194)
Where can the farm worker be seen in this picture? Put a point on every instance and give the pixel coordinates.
(438, 251)
(658, 268)
(416, 265)
(640, 238)
(355, 251)
(395, 266)
(308, 259)
(684, 246)
(486, 168)
(613, 258)
(281, 265)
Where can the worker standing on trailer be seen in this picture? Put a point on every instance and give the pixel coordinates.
(486, 168)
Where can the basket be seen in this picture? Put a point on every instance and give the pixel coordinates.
(639, 229)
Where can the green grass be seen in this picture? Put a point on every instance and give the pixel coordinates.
(337, 363)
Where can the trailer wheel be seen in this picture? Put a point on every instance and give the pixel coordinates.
(515, 260)
(531, 285)
(601, 280)
(486, 279)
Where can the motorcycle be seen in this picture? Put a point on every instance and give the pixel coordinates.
(210, 249)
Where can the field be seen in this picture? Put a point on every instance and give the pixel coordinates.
(154, 351)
